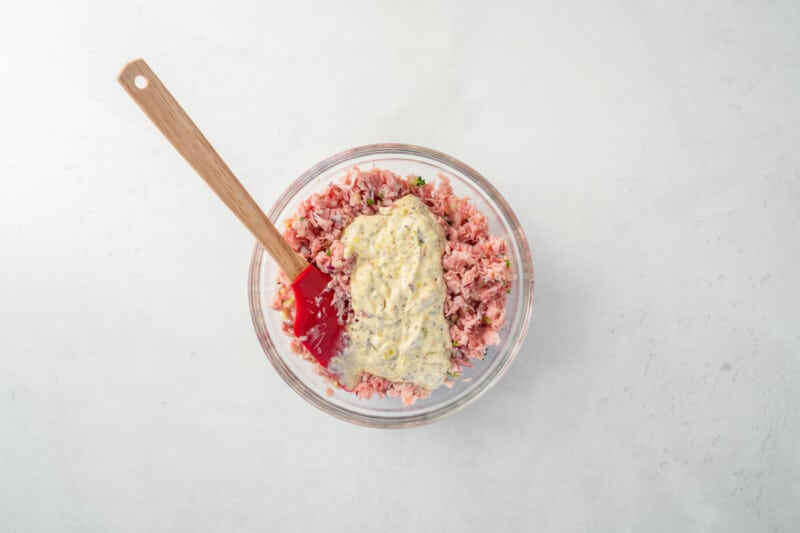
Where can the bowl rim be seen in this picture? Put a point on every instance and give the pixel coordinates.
(524, 278)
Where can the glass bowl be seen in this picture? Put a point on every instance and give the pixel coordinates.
(389, 412)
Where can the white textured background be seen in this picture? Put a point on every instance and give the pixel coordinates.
(651, 150)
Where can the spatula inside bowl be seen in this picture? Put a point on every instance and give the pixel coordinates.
(316, 323)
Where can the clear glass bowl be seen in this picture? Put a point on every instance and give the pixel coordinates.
(389, 412)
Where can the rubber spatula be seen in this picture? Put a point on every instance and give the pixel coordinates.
(316, 322)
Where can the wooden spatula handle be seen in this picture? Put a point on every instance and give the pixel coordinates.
(156, 101)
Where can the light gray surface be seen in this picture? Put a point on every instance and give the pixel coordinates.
(650, 150)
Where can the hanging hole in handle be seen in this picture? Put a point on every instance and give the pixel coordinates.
(140, 82)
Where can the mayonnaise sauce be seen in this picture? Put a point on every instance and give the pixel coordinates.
(398, 330)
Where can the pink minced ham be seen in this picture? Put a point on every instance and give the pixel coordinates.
(477, 272)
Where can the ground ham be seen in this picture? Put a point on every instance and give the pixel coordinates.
(476, 269)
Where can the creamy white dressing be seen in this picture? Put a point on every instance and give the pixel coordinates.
(398, 330)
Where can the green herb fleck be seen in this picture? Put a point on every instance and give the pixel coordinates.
(455, 343)
(370, 201)
(380, 195)
(420, 181)
(453, 374)
(486, 320)
(508, 263)
(328, 253)
(508, 291)
(301, 219)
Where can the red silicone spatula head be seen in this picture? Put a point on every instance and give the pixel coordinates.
(315, 321)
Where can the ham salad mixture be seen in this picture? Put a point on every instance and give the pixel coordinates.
(417, 279)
